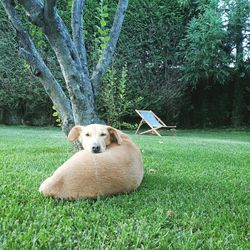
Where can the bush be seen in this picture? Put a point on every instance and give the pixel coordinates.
(114, 104)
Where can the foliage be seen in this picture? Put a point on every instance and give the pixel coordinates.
(114, 104)
(21, 96)
(151, 33)
(57, 119)
(215, 50)
(195, 198)
(237, 15)
(202, 48)
(102, 34)
(170, 47)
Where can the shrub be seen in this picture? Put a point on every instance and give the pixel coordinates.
(114, 103)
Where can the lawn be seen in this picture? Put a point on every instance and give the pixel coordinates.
(195, 194)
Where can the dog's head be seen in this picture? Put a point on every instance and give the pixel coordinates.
(95, 137)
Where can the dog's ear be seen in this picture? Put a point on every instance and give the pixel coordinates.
(115, 135)
(74, 133)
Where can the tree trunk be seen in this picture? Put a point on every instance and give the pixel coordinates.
(237, 111)
(237, 103)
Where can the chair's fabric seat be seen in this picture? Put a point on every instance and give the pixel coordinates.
(149, 117)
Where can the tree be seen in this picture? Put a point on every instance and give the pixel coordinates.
(214, 48)
(238, 14)
(78, 106)
(205, 59)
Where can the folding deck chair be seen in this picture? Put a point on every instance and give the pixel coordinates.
(153, 121)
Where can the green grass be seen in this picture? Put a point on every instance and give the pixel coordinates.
(195, 194)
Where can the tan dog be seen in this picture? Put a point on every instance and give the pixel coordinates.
(111, 163)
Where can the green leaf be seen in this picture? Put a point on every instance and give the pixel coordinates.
(55, 114)
(39, 33)
(53, 107)
(26, 65)
(103, 22)
(40, 43)
(58, 120)
(106, 38)
(100, 31)
(104, 14)
(69, 3)
(103, 45)
(105, 8)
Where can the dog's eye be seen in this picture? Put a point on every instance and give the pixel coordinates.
(87, 134)
(103, 134)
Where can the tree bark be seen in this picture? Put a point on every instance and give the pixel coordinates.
(78, 84)
(237, 103)
(237, 112)
(77, 32)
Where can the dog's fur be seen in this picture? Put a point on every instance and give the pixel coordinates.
(115, 168)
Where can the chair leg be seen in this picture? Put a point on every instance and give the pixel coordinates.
(173, 131)
(157, 132)
(147, 131)
(139, 126)
(150, 130)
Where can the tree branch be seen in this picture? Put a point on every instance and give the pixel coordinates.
(105, 60)
(34, 11)
(78, 83)
(39, 69)
(49, 9)
(77, 32)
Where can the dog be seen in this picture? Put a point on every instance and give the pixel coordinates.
(109, 164)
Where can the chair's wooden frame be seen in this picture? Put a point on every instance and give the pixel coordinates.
(152, 130)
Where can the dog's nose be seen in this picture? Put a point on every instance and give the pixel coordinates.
(96, 149)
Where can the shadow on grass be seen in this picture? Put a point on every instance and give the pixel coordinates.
(171, 193)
